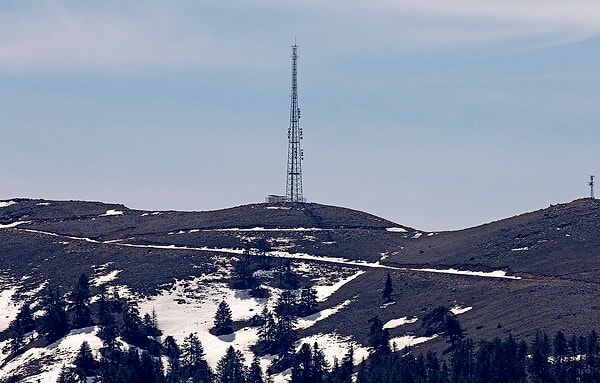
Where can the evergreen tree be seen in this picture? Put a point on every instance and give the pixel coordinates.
(223, 320)
(267, 333)
(347, 366)
(84, 360)
(263, 248)
(285, 335)
(453, 330)
(539, 366)
(287, 278)
(442, 321)
(18, 328)
(193, 362)
(109, 333)
(286, 304)
(133, 330)
(462, 363)
(171, 350)
(150, 322)
(103, 305)
(379, 338)
(591, 350)
(318, 365)
(70, 375)
(560, 357)
(255, 374)
(230, 368)
(80, 296)
(25, 319)
(388, 289)
(301, 369)
(54, 322)
(243, 272)
(308, 301)
(432, 367)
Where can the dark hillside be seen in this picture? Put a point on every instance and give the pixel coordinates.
(551, 257)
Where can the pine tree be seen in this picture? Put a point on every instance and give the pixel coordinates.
(347, 367)
(301, 369)
(171, 350)
(103, 307)
(80, 296)
(540, 354)
(84, 360)
(25, 319)
(193, 362)
(285, 334)
(255, 375)
(388, 289)
(54, 322)
(109, 334)
(267, 331)
(286, 304)
(263, 248)
(18, 328)
(132, 329)
(150, 323)
(379, 338)
(308, 301)
(230, 368)
(462, 363)
(69, 375)
(223, 320)
(442, 321)
(243, 272)
(318, 365)
(287, 278)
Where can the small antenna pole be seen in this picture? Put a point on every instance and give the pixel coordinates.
(591, 185)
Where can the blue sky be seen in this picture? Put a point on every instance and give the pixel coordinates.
(436, 115)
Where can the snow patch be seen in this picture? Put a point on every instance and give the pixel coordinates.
(13, 224)
(67, 348)
(396, 229)
(310, 320)
(111, 212)
(399, 322)
(520, 249)
(102, 279)
(457, 310)
(278, 208)
(190, 307)
(324, 292)
(335, 346)
(43, 204)
(401, 342)
(8, 308)
(491, 274)
(417, 235)
(7, 203)
(274, 229)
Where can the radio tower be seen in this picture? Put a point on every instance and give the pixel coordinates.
(293, 187)
(591, 185)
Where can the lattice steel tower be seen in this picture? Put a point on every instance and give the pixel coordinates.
(293, 187)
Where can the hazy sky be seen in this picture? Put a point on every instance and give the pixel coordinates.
(434, 114)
